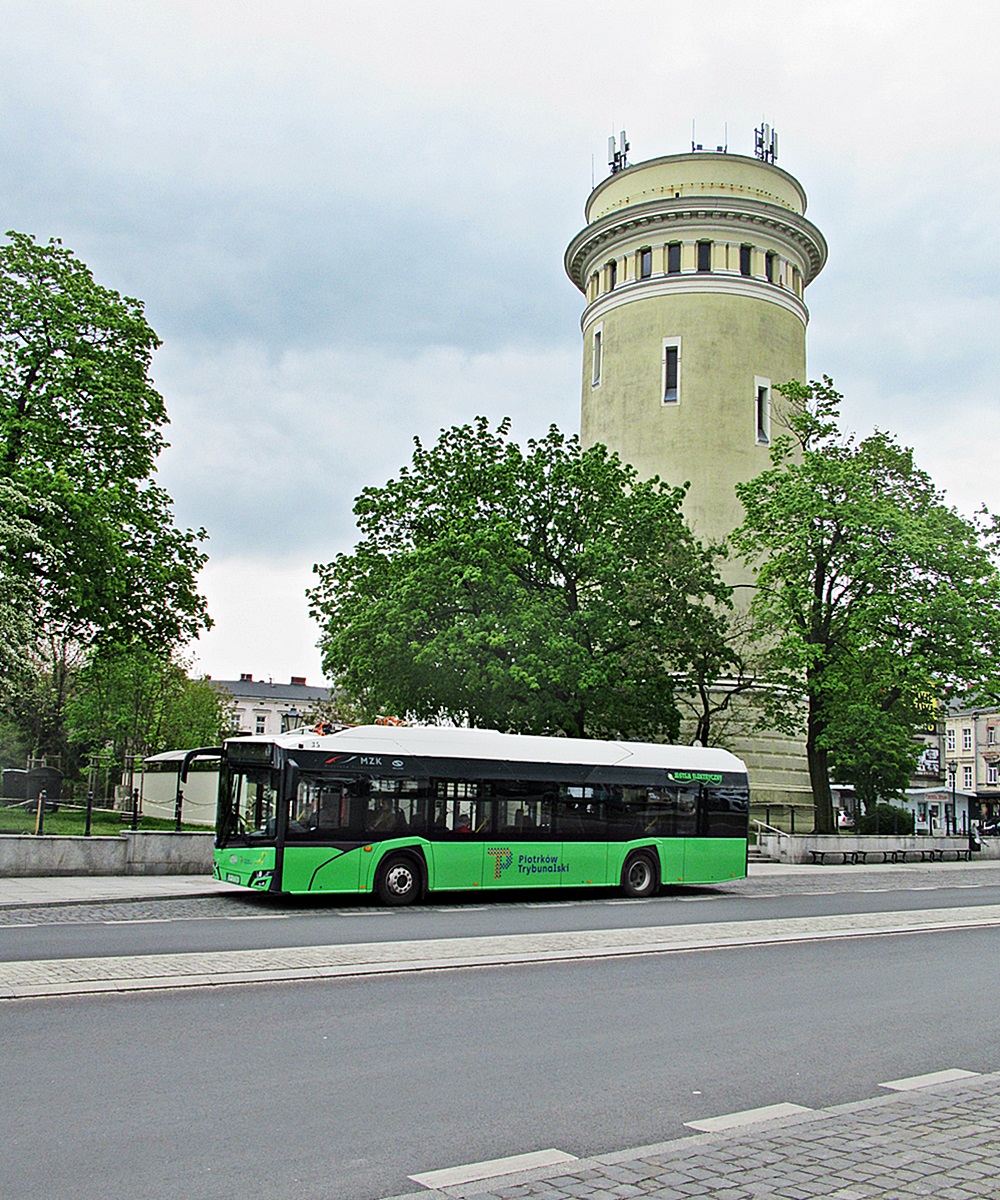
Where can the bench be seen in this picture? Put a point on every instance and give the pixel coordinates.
(846, 856)
(934, 854)
(937, 855)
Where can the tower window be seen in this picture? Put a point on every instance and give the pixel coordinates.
(769, 266)
(704, 256)
(671, 370)
(645, 263)
(674, 258)
(612, 274)
(745, 253)
(762, 410)
(598, 355)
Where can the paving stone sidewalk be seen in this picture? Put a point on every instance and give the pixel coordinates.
(941, 1141)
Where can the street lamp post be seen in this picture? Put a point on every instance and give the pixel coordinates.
(290, 720)
(952, 772)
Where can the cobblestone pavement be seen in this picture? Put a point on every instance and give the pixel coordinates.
(941, 1140)
(147, 904)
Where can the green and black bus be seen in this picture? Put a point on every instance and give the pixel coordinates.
(399, 812)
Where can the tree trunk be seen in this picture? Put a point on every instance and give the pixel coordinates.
(819, 775)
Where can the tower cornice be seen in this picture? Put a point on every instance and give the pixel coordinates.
(687, 213)
(718, 283)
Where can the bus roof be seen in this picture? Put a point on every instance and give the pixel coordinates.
(434, 741)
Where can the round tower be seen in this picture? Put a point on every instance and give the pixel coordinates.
(694, 268)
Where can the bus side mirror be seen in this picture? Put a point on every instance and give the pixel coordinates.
(290, 780)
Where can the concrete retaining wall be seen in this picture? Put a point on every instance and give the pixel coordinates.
(23, 854)
(794, 848)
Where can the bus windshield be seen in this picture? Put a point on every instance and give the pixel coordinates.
(252, 806)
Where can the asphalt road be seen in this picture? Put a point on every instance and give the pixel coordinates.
(245, 922)
(340, 1090)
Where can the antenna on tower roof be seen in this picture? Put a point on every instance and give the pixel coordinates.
(618, 154)
(765, 143)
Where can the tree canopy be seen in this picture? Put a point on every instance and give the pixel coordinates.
(131, 702)
(542, 590)
(872, 593)
(88, 543)
(80, 430)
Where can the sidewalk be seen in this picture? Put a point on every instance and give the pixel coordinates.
(34, 891)
(932, 1136)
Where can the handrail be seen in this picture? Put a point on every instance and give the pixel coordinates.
(763, 826)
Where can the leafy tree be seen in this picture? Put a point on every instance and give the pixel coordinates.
(80, 430)
(871, 592)
(130, 702)
(543, 590)
(18, 539)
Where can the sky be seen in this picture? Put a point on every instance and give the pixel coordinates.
(347, 222)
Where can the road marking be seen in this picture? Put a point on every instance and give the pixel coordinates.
(749, 1116)
(921, 1081)
(470, 1172)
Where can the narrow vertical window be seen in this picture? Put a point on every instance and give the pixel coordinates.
(671, 370)
(645, 263)
(612, 274)
(762, 410)
(704, 256)
(769, 266)
(745, 267)
(598, 355)
(674, 258)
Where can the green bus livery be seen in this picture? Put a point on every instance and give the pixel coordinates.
(399, 812)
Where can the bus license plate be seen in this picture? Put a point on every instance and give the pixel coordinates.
(232, 878)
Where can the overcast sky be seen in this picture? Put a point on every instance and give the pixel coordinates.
(347, 222)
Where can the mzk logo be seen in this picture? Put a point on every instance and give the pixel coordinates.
(527, 864)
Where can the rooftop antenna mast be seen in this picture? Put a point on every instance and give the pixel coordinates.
(765, 144)
(618, 154)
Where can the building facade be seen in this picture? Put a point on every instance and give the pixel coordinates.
(265, 707)
(694, 268)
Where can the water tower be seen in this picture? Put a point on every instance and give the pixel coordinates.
(694, 267)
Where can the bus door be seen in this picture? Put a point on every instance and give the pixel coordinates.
(325, 823)
(459, 822)
(582, 827)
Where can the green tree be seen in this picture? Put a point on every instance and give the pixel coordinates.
(19, 539)
(128, 702)
(541, 591)
(80, 430)
(871, 591)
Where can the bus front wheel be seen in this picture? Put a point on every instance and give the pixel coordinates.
(639, 876)
(398, 880)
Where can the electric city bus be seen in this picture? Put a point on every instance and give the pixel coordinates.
(399, 812)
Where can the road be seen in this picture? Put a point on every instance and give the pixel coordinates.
(340, 1090)
(244, 922)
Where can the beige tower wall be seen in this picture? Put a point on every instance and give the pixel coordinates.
(709, 437)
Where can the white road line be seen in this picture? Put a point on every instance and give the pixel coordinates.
(470, 1172)
(749, 1116)
(921, 1081)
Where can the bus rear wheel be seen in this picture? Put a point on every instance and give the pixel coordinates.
(398, 880)
(639, 876)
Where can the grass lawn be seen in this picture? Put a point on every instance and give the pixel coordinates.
(70, 821)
